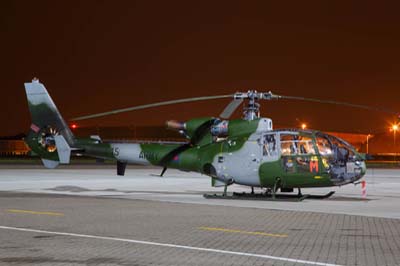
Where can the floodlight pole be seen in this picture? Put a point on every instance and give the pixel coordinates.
(394, 144)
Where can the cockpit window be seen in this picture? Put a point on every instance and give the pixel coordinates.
(324, 147)
(269, 145)
(296, 145)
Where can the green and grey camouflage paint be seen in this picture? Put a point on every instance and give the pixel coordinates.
(238, 158)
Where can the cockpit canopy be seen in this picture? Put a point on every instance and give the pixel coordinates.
(300, 149)
(294, 142)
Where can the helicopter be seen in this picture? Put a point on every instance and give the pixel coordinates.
(245, 151)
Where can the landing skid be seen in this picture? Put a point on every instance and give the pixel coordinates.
(267, 196)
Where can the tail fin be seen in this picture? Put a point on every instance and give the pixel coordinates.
(48, 129)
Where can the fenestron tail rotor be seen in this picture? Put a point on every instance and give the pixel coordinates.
(46, 139)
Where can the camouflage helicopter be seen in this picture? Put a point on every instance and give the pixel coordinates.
(243, 151)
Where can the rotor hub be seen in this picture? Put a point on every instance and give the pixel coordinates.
(251, 110)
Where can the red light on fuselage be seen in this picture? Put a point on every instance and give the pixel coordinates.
(73, 126)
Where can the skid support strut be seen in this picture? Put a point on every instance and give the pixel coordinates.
(225, 190)
(276, 186)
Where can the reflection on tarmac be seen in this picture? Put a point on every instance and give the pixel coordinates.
(91, 216)
(383, 186)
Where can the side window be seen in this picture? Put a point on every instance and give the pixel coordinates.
(287, 145)
(298, 153)
(269, 145)
(305, 146)
(296, 145)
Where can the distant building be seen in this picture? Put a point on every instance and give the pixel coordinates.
(13, 148)
(384, 144)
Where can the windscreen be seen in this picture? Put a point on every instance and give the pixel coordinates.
(332, 146)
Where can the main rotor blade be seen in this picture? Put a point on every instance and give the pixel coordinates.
(379, 109)
(230, 108)
(151, 105)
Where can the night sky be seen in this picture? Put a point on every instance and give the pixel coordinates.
(94, 56)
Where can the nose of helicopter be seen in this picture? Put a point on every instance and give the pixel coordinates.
(351, 172)
(363, 170)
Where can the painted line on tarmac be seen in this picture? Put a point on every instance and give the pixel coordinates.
(225, 230)
(36, 212)
(220, 251)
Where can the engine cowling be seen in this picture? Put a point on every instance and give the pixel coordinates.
(190, 127)
(218, 129)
